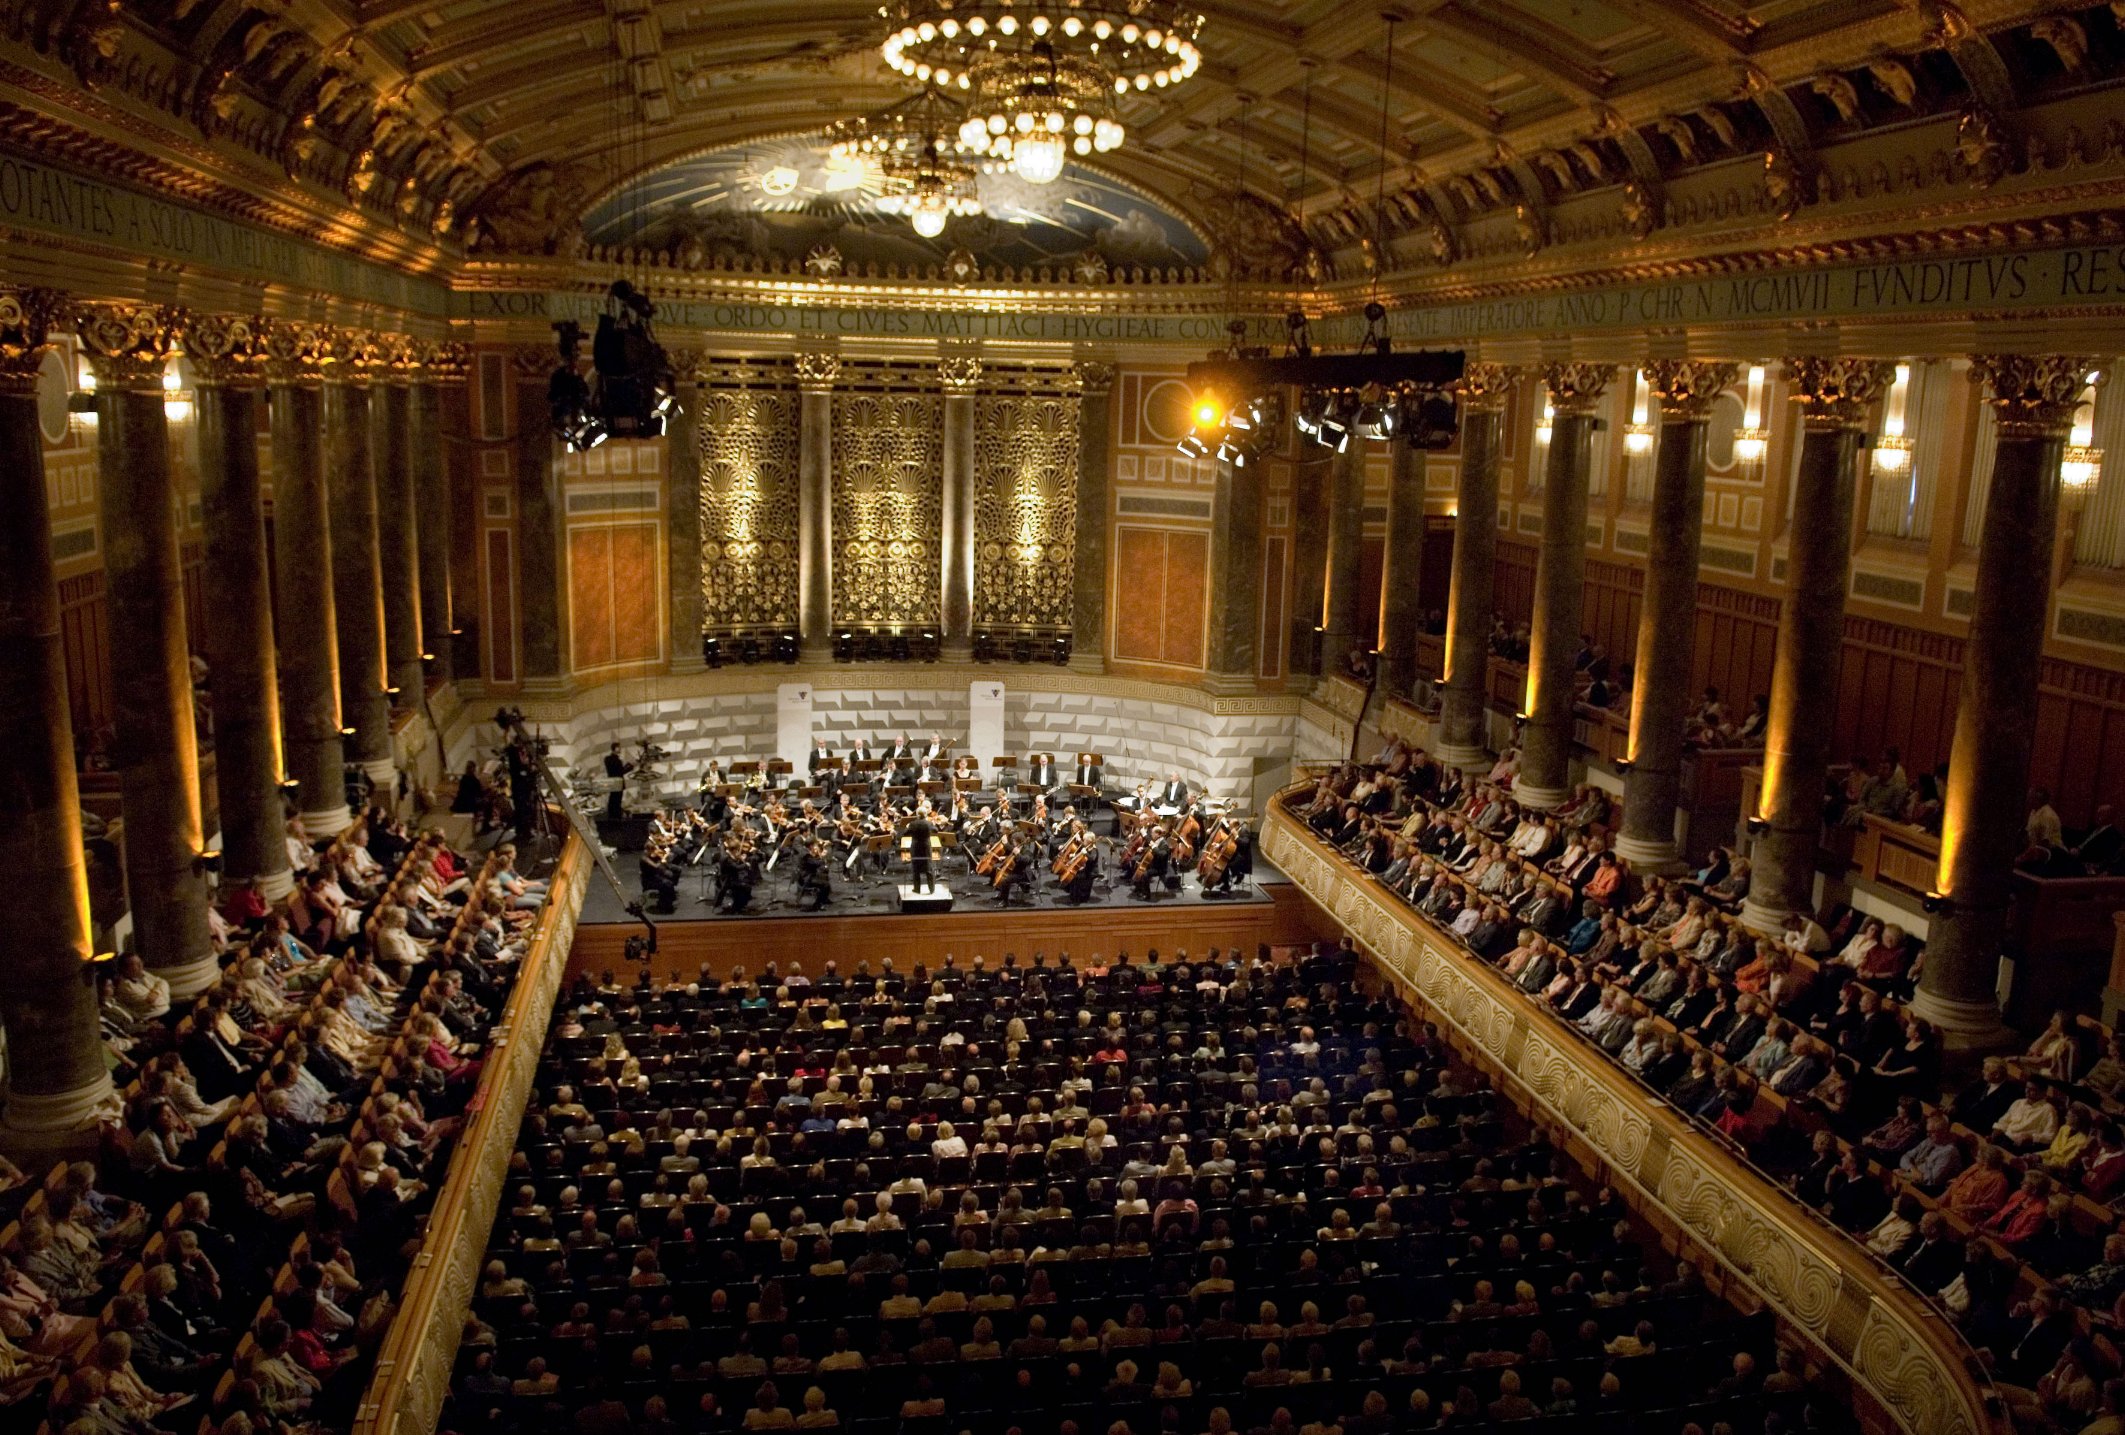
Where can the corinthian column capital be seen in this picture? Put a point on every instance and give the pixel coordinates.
(1686, 388)
(1836, 393)
(226, 350)
(2032, 396)
(128, 345)
(1576, 388)
(27, 319)
(817, 371)
(1484, 388)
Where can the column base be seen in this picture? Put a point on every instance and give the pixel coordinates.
(1964, 1025)
(1762, 920)
(327, 822)
(1225, 685)
(1084, 662)
(1471, 758)
(1542, 798)
(956, 650)
(192, 978)
(381, 770)
(1648, 858)
(815, 654)
(61, 1123)
(686, 663)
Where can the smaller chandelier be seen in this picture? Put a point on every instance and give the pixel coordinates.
(2081, 466)
(926, 173)
(929, 189)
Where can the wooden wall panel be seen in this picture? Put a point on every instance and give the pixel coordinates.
(1269, 644)
(1613, 599)
(1159, 600)
(636, 593)
(1737, 643)
(85, 637)
(1513, 590)
(1187, 595)
(1372, 566)
(590, 597)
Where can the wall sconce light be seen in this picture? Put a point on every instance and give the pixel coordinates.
(1937, 904)
(1752, 440)
(346, 732)
(1892, 454)
(1547, 426)
(1638, 439)
(1750, 445)
(1758, 826)
(2079, 469)
(98, 964)
(1624, 764)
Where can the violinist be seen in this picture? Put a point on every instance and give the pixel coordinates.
(740, 873)
(660, 878)
(813, 880)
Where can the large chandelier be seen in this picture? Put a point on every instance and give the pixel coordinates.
(925, 173)
(1042, 77)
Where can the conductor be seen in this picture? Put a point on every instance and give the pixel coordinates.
(616, 768)
(918, 835)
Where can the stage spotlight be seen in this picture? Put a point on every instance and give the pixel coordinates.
(1193, 446)
(901, 651)
(984, 646)
(749, 651)
(1377, 419)
(844, 647)
(1062, 650)
(712, 652)
(785, 648)
(1022, 649)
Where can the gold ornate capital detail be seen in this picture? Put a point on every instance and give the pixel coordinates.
(446, 362)
(226, 349)
(1484, 388)
(959, 373)
(351, 356)
(1092, 377)
(128, 345)
(691, 367)
(294, 353)
(2032, 395)
(398, 359)
(1836, 393)
(534, 362)
(1574, 389)
(817, 370)
(27, 319)
(1686, 388)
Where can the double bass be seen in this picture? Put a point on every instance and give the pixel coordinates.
(1218, 852)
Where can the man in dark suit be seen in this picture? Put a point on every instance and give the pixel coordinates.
(1088, 769)
(900, 753)
(2103, 844)
(918, 834)
(862, 752)
(1173, 793)
(616, 770)
(1040, 770)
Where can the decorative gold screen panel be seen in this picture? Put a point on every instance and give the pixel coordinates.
(1025, 509)
(748, 443)
(888, 508)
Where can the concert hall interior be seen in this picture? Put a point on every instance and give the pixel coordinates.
(1062, 717)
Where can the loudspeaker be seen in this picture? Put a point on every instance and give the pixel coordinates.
(937, 900)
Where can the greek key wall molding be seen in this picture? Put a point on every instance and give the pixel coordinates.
(1879, 1333)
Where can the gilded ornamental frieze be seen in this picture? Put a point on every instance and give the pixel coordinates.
(888, 510)
(747, 439)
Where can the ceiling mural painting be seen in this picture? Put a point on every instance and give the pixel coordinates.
(793, 198)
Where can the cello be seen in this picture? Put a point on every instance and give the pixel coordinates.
(1218, 852)
(996, 855)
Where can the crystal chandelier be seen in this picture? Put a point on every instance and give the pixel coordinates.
(1042, 77)
(926, 174)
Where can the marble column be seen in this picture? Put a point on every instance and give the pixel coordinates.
(816, 373)
(682, 513)
(128, 347)
(1235, 577)
(1483, 392)
(357, 563)
(1340, 622)
(1667, 618)
(57, 1080)
(228, 365)
(960, 375)
(1402, 568)
(1560, 585)
(305, 621)
(542, 601)
(1982, 819)
(1312, 486)
(1834, 396)
(1095, 442)
(443, 366)
(398, 529)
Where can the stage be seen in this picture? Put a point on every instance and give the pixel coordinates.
(864, 920)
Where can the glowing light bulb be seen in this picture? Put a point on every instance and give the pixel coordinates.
(1038, 158)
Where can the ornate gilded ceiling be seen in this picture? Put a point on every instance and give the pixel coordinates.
(1523, 137)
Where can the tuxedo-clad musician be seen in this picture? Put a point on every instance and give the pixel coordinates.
(1040, 771)
(936, 747)
(813, 881)
(660, 879)
(616, 770)
(862, 752)
(1173, 793)
(1151, 866)
(1016, 872)
(979, 835)
(919, 833)
(1088, 772)
(821, 756)
(900, 754)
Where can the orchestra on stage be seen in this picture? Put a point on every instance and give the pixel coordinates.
(918, 813)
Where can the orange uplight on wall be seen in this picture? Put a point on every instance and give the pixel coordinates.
(1208, 412)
